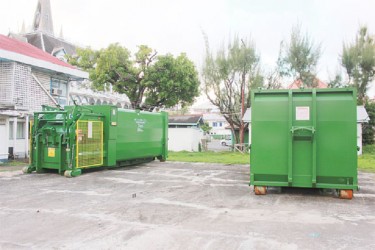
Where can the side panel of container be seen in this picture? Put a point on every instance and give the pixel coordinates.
(140, 135)
(304, 138)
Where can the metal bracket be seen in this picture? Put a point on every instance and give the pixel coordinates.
(293, 129)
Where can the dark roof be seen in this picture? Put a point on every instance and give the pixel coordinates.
(26, 49)
(50, 42)
(185, 119)
(18, 37)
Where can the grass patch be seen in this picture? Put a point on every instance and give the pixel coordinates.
(224, 157)
(366, 161)
(15, 163)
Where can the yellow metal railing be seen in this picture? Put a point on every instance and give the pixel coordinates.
(89, 151)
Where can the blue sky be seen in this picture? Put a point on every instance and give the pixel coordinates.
(176, 26)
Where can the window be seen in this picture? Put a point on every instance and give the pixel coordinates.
(214, 124)
(220, 124)
(20, 130)
(59, 89)
(11, 130)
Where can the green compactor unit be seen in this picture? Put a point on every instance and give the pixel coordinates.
(304, 138)
(80, 137)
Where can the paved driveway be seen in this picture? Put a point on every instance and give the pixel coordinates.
(177, 206)
(216, 146)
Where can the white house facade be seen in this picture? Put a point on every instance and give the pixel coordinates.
(218, 125)
(29, 78)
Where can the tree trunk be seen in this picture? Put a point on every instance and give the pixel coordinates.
(242, 132)
(241, 127)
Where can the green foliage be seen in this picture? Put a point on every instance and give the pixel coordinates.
(113, 66)
(147, 79)
(337, 82)
(298, 58)
(272, 79)
(205, 127)
(232, 70)
(225, 157)
(358, 59)
(85, 58)
(368, 132)
(171, 81)
(366, 161)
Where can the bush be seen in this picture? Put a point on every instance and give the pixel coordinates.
(368, 128)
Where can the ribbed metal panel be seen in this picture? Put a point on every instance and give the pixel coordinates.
(6, 82)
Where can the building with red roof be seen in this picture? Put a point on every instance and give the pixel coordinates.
(29, 78)
(297, 84)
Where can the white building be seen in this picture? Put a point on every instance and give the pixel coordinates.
(184, 133)
(362, 117)
(218, 124)
(29, 78)
(84, 95)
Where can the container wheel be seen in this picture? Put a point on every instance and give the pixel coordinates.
(346, 194)
(26, 170)
(68, 173)
(260, 190)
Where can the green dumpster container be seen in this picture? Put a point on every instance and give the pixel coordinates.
(304, 138)
(81, 137)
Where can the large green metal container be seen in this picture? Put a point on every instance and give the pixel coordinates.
(304, 138)
(81, 137)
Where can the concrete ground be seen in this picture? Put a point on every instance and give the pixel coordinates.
(178, 206)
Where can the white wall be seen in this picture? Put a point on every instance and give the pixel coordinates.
(359, 138)
(20, 146)
(184, 139)
(3, 140)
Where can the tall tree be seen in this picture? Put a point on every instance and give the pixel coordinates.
(172, 80)
(358, 59)
(228, 77)
(85, 58)
(147, 79)
(299, 57)
(336, 82)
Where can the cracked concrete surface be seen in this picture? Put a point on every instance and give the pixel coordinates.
(178, 206)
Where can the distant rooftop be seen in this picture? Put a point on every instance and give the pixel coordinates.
(185, 119)
(317, 84)
(213, 117)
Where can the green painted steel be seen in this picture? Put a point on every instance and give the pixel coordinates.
(304, 138)
(81, 137)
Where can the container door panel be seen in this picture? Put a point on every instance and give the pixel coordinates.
(89, 144)
(336, 138)
(302, 140)
(270, 141)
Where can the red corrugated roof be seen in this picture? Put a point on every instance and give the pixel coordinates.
(26, 49)
(298, 83)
